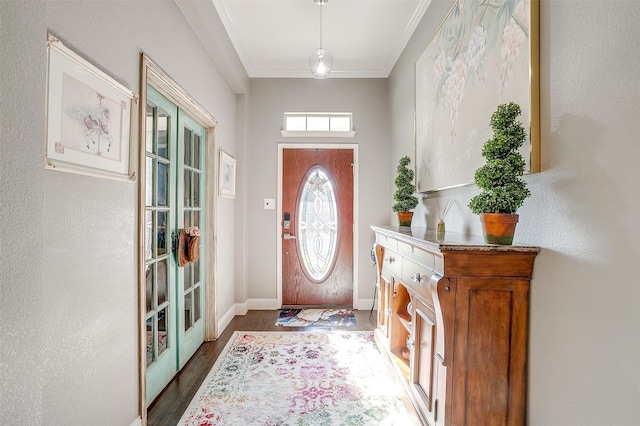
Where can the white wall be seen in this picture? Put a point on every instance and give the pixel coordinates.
(22, 291)
(241, 283)
(68, 321)
(585, 293)
(270, 98)
(68, 289)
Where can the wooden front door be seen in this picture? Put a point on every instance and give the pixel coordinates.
(317, 227)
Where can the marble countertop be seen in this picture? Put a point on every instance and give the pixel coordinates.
(450, 241)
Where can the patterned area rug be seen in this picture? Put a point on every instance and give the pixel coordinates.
(298, 378)
(316, 318)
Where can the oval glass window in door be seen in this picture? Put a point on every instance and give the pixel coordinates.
(317, 225)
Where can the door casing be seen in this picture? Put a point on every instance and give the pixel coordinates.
(281, 148)
(151, 73)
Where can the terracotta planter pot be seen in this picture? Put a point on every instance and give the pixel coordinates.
(498, 228)
(405, 218)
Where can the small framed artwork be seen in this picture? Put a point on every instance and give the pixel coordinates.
(227, 178)
(90, 117)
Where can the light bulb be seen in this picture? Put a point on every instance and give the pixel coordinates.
(321, 67)
(321, 62)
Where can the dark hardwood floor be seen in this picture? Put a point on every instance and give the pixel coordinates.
(168, 408)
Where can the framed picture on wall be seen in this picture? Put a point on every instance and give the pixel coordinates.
(90, 117)
(227, 177)
(484, 54)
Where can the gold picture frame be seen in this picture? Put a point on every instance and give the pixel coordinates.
(483, 54)
(90, 117)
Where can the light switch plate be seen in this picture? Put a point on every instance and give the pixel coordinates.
(269, 203)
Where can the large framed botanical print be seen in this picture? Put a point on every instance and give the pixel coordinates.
(484, 54)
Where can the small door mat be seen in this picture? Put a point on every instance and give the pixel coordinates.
(316, 318)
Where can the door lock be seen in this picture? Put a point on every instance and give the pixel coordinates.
(286, 221)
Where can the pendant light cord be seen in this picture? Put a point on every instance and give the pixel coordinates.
(321, 6)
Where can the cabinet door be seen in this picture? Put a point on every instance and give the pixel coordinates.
(423, 371)
(383, 306)
(490, 351)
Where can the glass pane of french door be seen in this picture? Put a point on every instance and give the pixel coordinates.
(160, 212)
(191, 138)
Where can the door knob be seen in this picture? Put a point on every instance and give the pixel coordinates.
(174, 242)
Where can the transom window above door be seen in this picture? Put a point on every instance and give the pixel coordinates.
(307, 124)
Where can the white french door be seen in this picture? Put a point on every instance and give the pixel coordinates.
(175, 180)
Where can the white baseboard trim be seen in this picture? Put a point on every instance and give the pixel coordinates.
(363, 304)
(137, 422)
(262, 304)
(225, 319)
(241, 308)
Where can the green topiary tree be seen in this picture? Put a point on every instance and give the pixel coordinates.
(503, 191)
(405, 189)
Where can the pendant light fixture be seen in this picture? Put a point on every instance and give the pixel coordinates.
(321, 60)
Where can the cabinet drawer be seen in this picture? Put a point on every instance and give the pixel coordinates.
(387, 242)
(425, 258)
(392, 262)
(418, 278)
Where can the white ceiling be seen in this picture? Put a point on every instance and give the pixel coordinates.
(274, 38)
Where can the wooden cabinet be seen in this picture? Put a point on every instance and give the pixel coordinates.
(453, 321)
